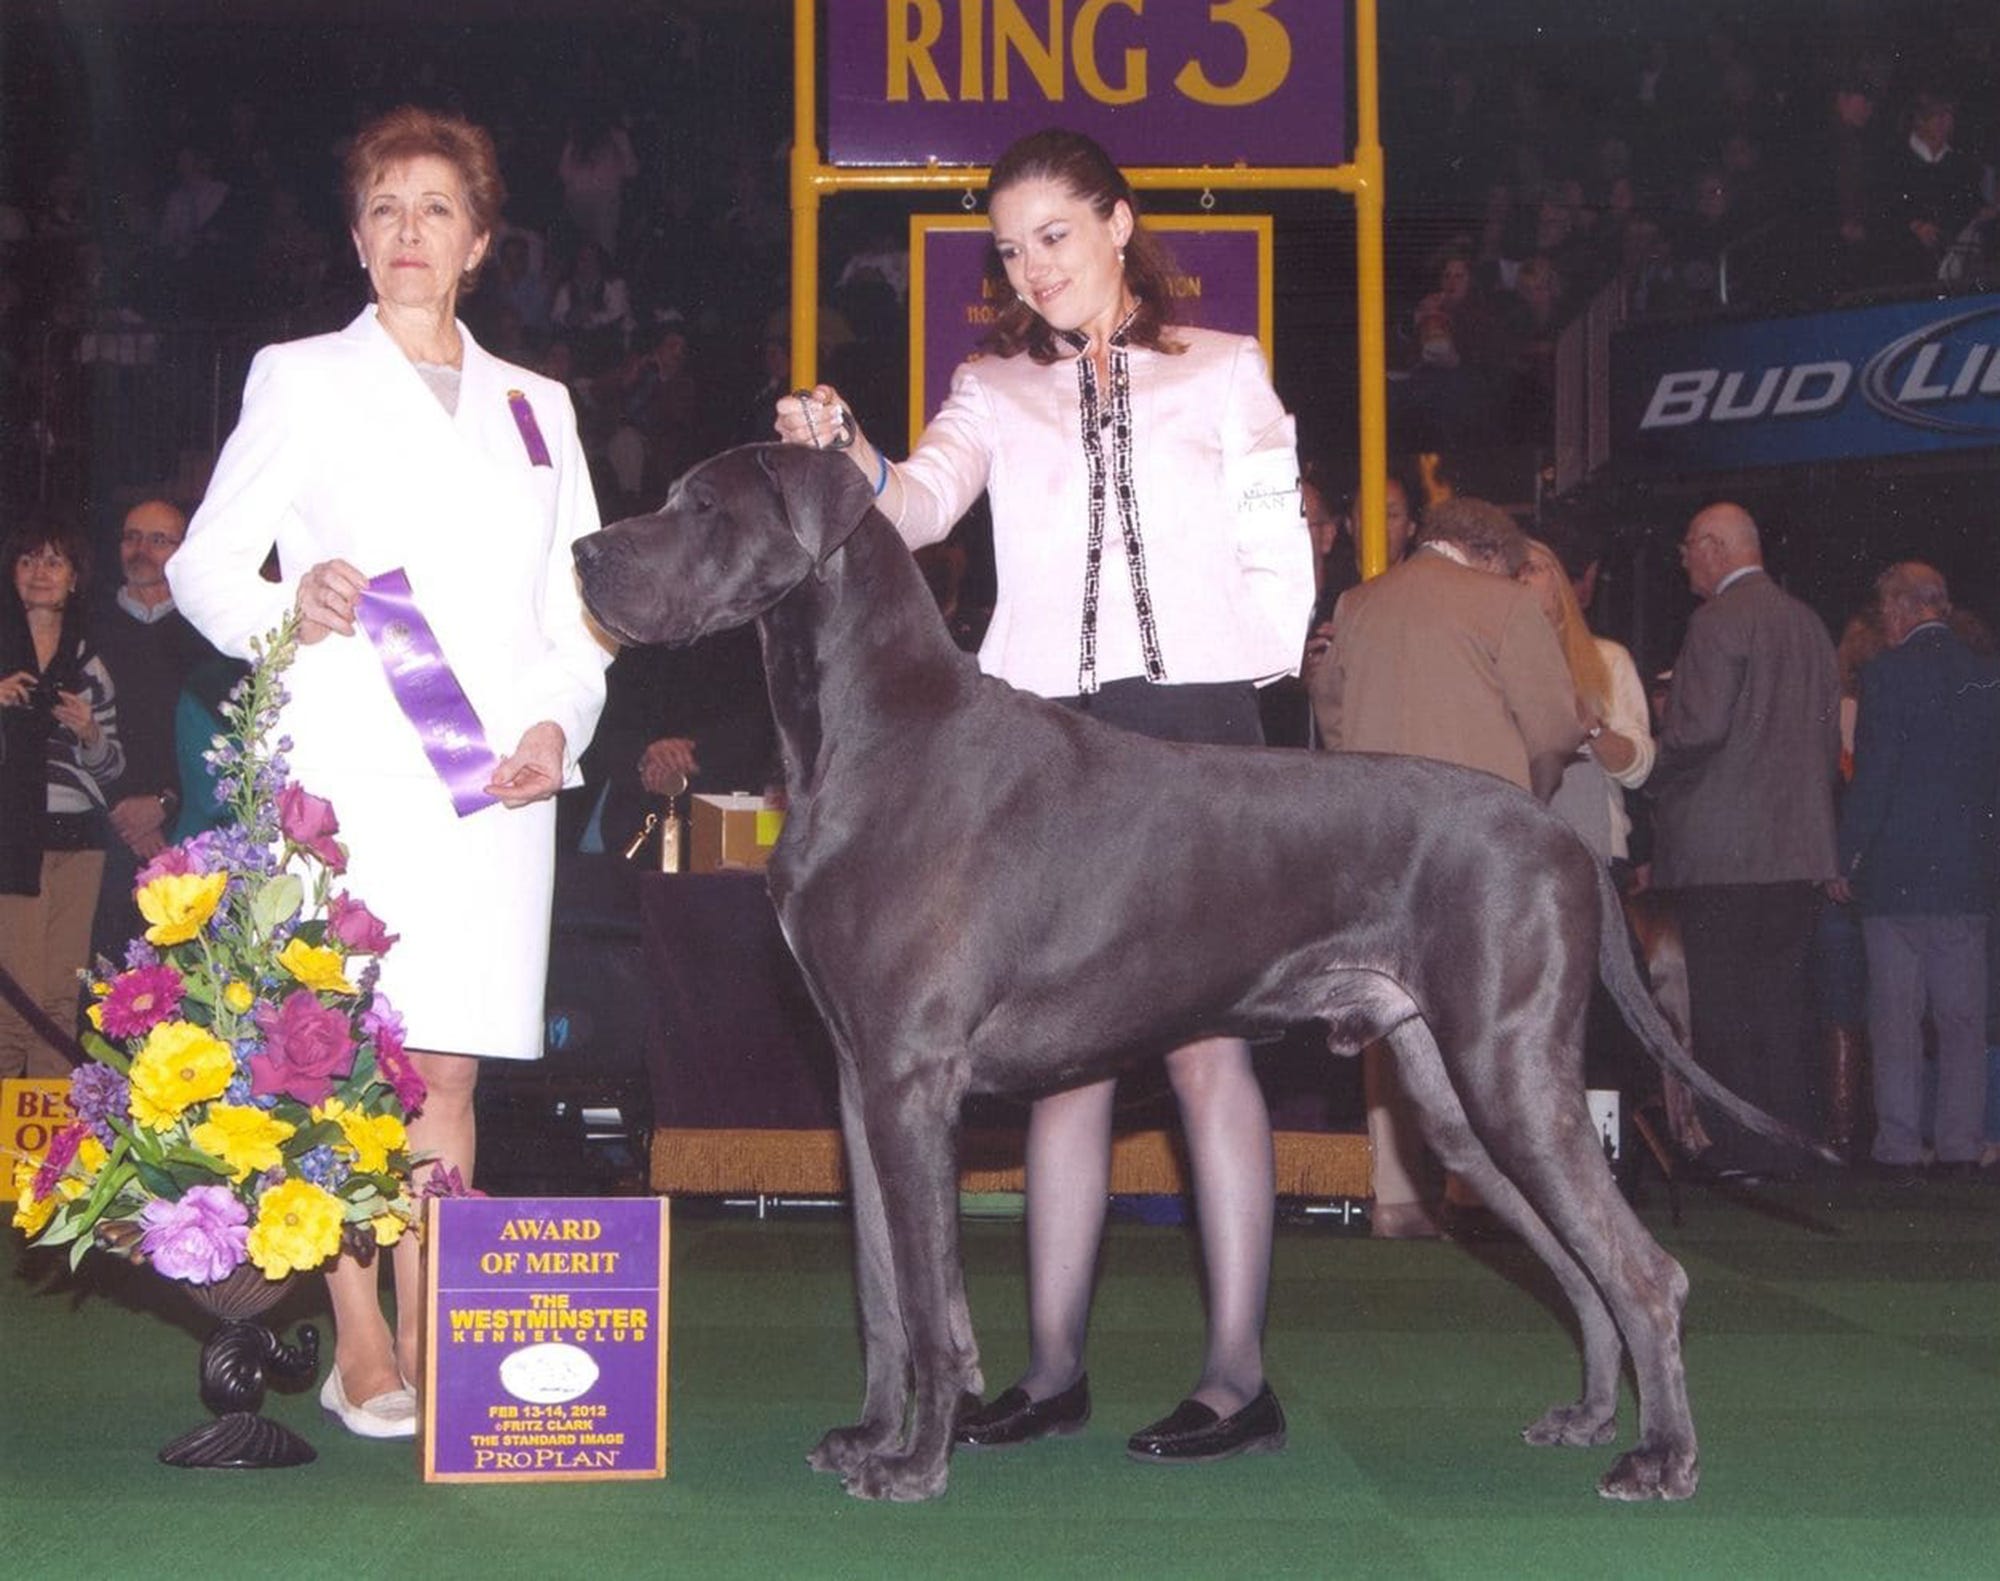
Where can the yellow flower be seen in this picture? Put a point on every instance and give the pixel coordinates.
(30, 1213)
(388, 1228)
(298, 1227)
(245, 1139)
(370, 1138)
(180, 1064)
(83, 1169)
(319, 968)
(96, 1015)
(238, 997)
(177, 904)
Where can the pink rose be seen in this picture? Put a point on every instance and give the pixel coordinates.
(383, 1027)
(308, 823)
(308, 1046)
(172, 862)
(357, 927)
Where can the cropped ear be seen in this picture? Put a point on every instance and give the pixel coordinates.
(825, 496)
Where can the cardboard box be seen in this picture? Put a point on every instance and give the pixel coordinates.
(734, 831)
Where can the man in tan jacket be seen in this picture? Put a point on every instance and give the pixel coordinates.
(1445, 656)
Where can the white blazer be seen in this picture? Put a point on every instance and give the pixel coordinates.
(343, 451)
(1228, 558)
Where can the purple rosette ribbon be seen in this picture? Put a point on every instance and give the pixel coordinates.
(531, 431)
(427, 691)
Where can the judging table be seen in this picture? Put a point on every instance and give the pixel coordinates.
(745, 1092)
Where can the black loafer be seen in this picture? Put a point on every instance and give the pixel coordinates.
(1193, 1433)
(1013, 1418)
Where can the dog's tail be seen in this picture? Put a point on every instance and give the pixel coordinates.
(1635, 1002)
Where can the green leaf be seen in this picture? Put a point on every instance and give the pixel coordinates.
(207, 1162)
(157, 1181)
(105, 1052)
(278, 901)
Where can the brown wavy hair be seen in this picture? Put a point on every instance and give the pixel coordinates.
(1086, 172)
(412, 132)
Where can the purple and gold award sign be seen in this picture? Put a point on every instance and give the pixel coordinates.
(546, 1328)
(1221, 280)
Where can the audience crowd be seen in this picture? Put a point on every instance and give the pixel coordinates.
(643, 262)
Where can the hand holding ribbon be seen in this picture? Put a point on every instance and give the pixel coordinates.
(533, 771)
(328, 596)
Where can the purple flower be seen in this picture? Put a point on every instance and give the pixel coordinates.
(444, 1180)
(308, 1046)
(139, 953)
(140, 1000)
(309, 823)
(384, 1028)
(349, 921)
(61, 1149)
(201, 1238)
(99, 1095)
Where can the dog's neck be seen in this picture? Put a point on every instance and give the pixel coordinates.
(852, 650)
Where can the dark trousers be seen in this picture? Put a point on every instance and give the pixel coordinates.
(1748, 989)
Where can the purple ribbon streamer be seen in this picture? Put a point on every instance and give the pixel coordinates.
(427, 691)
(531, 431)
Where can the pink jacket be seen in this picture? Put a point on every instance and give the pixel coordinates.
(1228, 560)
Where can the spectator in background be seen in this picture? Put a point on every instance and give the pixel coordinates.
(1744, 829)
(1617, 751)
(518, 283)
(1917, 852)
(59, 750)
(593, 310)
(150, 650)
(596, 163)
(1448, 657)
(1853, 219)
(1939, 209)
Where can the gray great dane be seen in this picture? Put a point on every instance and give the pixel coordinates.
(988, 892)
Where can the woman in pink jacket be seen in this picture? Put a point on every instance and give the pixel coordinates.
(1153, 568)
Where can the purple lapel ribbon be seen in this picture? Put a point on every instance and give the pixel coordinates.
(427, 691)
(531, 432)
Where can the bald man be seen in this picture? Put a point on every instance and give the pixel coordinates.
(1744, 827)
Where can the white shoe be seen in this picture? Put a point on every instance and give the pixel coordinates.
(391, 1414)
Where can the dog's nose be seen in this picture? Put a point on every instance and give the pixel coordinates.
(587, 549)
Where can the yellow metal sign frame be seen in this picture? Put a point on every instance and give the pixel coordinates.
(813, 181)
(1256, 226)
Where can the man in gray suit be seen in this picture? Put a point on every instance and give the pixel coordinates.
(1744, 826)
(1444, 656)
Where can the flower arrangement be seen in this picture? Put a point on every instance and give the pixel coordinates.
(248, 1091)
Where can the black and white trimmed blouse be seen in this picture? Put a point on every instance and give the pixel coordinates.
(1149, 527)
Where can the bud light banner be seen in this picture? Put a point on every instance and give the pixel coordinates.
(1874, 381)
(1221, 280)
(1260, 82)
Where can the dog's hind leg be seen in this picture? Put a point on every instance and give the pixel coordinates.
(884, 1343)
(911, 1123)
(1591, 1418)
(1544, 1143)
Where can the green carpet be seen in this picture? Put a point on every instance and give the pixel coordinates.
(1843, 1357)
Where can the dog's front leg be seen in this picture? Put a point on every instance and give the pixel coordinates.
(911, 1119)
(885, 1348)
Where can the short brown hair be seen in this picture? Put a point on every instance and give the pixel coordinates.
(412, 132)
(1480, 528)
(37, 533)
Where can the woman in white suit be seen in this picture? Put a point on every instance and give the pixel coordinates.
(1153, 567)
(398, 443)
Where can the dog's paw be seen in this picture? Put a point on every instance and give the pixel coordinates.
(1577, 1424)
(844, 1448)
(901, 1479)
(1644, 1473)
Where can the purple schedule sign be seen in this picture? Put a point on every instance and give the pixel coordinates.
(546, 1329)
(1222, 280)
